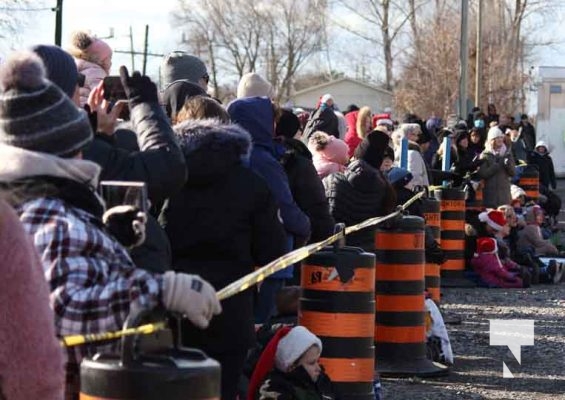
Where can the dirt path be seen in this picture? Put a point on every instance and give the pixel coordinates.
(477, 372)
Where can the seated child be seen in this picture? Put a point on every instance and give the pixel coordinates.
(530, 238)
(493, 226)
(329, 154)
(490, 270)
(289, 368)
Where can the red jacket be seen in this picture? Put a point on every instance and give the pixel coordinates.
(351, 137)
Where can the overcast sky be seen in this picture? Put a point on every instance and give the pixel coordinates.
(100, 16)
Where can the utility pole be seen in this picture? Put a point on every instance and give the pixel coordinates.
(58, 22)
(131, 48)
(479, 61)
(146, 44)
(464, 59)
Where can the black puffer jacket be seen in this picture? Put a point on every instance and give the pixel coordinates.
(359, 193)
(323, 119)
(159, 164)
(307, 188)
(221, 225)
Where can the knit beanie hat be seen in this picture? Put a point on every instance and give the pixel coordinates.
(88, 47)
(293, 346)
(177, 93)
(493, 218)
(60, 66)
(493, 133)
(399, 177)
(35, 114)
(253, 85)
(372, 148)
(181, 65)
(288, 124)
(516, 191)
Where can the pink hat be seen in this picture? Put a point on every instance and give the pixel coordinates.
(336, 150)
(99, 49)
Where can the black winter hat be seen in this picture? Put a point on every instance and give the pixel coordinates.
(372, 148)
(177, 93)
(288, 124)
(60, 66)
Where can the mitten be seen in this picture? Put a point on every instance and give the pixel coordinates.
(138, 88)
(127, 224)
(191, 296)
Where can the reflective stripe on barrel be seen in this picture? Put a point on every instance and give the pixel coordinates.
(452, 206)
(400, 332)
(432, 217)
(342, 315)
(529, 181)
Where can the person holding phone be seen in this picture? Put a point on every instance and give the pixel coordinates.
(159, 162)
(93, 281)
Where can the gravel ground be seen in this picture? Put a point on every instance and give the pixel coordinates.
(477, 371)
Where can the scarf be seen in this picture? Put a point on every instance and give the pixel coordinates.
(34, 175)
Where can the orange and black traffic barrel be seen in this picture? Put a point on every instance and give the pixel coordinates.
(452, 205)
(400, 331)
(338, 306)
(432, 217)
(163, 372)
(529, 181)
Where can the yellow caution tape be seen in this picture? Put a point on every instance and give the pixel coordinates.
(76, 340)
(246, 281)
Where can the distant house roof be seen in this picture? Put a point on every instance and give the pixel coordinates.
(331, 83)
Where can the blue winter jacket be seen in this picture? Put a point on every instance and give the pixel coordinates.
(255, 114)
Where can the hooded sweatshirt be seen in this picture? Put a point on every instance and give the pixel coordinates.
(255, 114)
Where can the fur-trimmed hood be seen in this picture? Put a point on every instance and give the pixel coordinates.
(211, 148)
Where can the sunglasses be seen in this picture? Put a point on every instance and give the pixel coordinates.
(206, 77)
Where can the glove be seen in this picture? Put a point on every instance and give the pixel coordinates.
(191, 296)
(127, 224)
(138, 88)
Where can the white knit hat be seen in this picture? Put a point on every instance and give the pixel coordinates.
(494, 133)
(293, 346)
(254, 85)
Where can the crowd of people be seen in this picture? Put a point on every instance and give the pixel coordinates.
(230, 188)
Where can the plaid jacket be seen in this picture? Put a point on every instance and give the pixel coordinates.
(93, 282)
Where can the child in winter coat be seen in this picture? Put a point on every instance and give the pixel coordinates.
(93, 57)
(540, 157)
(530, 238)
(297, 374)
(489, 268)
(329, 154)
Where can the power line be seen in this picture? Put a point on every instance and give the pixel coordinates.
(28, 9)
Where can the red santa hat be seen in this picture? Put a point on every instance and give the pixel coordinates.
(486, 245)
(493, 218)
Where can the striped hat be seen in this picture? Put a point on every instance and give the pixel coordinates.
(35, 114)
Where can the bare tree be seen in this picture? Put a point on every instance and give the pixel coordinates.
(389, 17)
(428, 81)
(248, 35)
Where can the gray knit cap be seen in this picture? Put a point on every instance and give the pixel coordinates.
(181, 65)
(34, 113)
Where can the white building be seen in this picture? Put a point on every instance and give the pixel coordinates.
(345, 91)
(550, 121)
